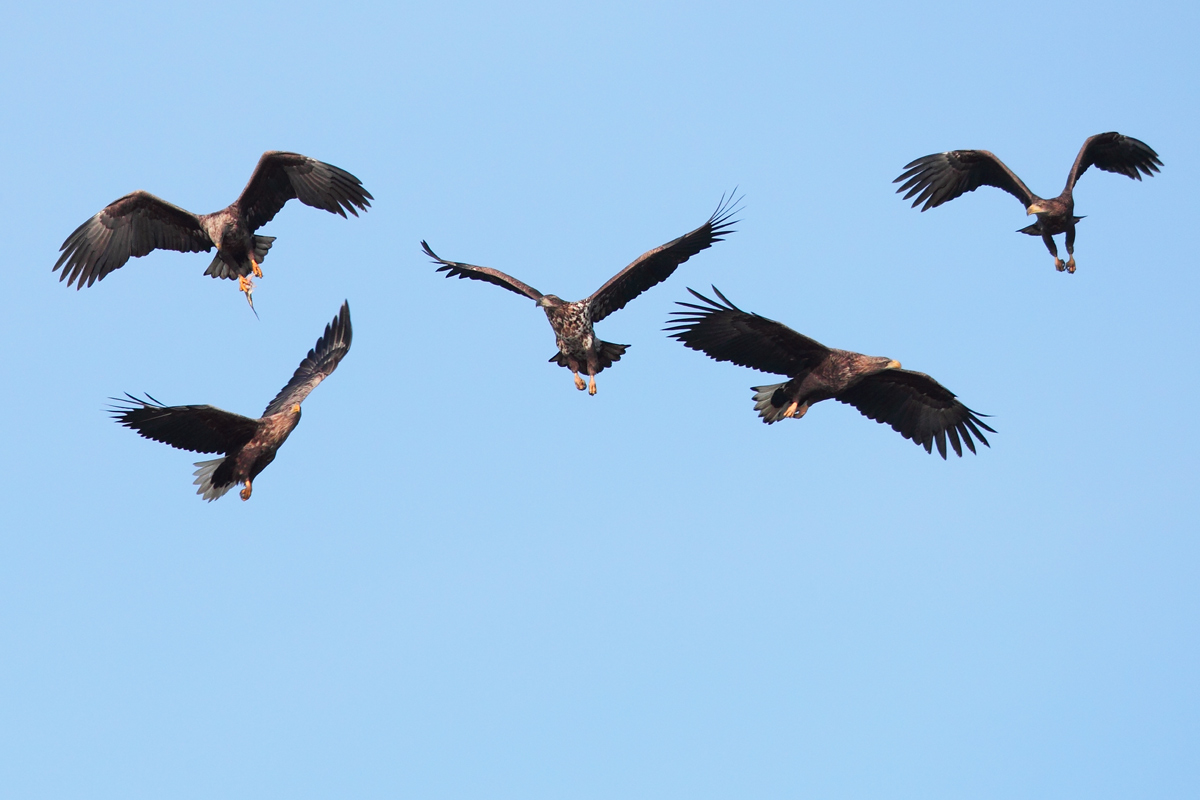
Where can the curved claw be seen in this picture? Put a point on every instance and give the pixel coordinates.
(1058, 264)
(579, 384)
(1071, 266)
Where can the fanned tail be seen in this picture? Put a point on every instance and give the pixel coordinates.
(204, 479)
(771, 402)
(607, 355)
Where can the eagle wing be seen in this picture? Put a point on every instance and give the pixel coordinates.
(1113, 152)
(495, 277)
(280, 176)
(726, 333)
(941, 177)
(318, 365)
(655, 266)
(127, 228)
(201, 429)
(917, 407)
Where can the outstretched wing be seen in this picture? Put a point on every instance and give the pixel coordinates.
(318, 365)
(655, 266)
(280, 176)
(127, 228)
(1113, 152)
(726, 333)
(458, 269)
(918, 408)
(201, 429)
(941, 177)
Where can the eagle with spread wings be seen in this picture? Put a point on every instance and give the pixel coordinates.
(579, 350)
(139, 222)
(914, 404)
(941, 177)
(249, 444)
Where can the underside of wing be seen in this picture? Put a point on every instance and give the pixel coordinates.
(201, 429)
(318, 365)
(918, 408)
(281, 176)
(724, 332)
(1114, 152)
(128, 228)
(655, 266)
(941, 177)
(457, 269)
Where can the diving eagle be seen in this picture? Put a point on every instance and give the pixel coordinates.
(938, 178)
(578, 348)
(139, 222)
(249, 444)
(914, 404)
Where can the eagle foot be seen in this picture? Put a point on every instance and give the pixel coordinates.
(591, 385)
(579, 384)
(1059, 265)
(1071, 266)
(255, 268)
(245, 493)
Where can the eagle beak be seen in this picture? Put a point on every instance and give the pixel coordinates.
(893, 364)
(1035, 208)
(295, 408)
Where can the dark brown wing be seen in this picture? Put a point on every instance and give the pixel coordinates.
(128, 228)
(493, 276)
(655, 266)
(1113, 152)
(279, 177)
(201, 429)
(318, 365)
(941, 177)
(917, 407)
(726, 333)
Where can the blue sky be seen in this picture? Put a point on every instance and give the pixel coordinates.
(461, 577)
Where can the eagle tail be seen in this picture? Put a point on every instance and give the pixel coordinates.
(606, 355)
(261, 245)
(770, 402)
(1031, 230)
(211, 485)
(219, 269)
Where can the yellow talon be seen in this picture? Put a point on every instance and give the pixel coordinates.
(245, 493)
(579, 384)
(591, 385)
(255, 268)
(791, 410)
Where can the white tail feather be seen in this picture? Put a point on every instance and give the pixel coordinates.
(204, 479)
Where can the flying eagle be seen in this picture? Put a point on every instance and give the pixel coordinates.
(249, 444)
(914, 404)
(578, 348)
(140, 222)
(938, 178)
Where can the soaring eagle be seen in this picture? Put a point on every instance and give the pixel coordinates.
(578, 348)
(938, 178)
(140, 222)
(249, 444)
(914, 404)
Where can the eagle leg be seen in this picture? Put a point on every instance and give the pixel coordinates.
(245, 493)
(592, 385)
(579, 384)
(796, 410)
(255, 268)
(1071, 265)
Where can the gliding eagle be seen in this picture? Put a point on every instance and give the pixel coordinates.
(578, 348)
(914, 404)
(940, 177)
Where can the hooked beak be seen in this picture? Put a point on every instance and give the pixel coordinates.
(1035, 208)
(893, 364)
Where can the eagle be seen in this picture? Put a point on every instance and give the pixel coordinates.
(940, 177)
(579, 350)
(914, 404)
(140, 222)
(249, 444)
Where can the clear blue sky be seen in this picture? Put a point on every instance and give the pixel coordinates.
(462, 578)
